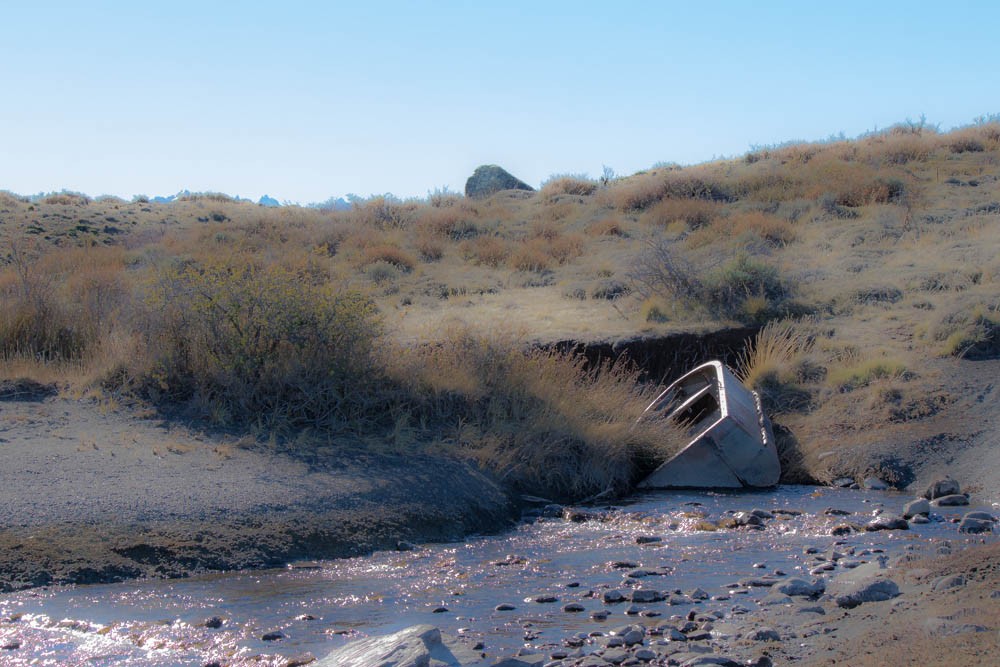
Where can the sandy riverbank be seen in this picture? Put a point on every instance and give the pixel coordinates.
(94, 495)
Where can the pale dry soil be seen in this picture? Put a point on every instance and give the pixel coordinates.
(927, 625)
(93, 495)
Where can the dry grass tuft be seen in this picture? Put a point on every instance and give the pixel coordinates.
(863, 372)
(390, 254)
(567, 185)
(695, 213)
(607, 227)
(539, 419)
(487, 250)
(776, 354)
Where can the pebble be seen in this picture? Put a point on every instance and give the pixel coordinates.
(942, 487)
(573, 607)
(622, 565)
(875, 484)
(645, 655)
(876, 590)
(214, 623)
(765, 635)
(612, 596)
(887, 522)
(646, 596)
(272, 636)
(504, 607)
(973, 525)
(842, 529)
(954, 500)
(948, 582)
(801, 588)
(616, 657)
(698, 594)
(917, 507)
(633, 637)
(815, 609)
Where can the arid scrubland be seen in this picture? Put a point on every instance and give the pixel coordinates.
(872, 266)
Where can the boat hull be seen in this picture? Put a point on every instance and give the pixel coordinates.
(732, 442)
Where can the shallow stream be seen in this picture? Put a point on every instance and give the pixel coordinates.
(317, 607)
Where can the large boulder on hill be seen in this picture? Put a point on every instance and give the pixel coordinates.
(489, 179)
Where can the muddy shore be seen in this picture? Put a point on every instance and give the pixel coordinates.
(94, 495)
(105, 495)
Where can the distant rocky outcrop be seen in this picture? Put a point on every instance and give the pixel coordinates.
(269, 201)
(489, 179)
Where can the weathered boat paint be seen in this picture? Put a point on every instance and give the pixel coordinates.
(732, 443)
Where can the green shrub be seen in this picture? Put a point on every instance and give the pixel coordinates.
(254, 344)
(381, 272)
(970, 333)
(654, 310)
(863, 373)
(729, 288)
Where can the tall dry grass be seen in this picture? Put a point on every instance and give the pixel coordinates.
(59, 308)
(539, 419)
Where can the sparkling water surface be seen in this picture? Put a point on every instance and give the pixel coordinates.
(318, 606)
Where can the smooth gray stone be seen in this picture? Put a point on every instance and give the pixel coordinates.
(415, 646)
(801, 587)
(969, 525)
(915, 507)
(942, 487)
(871, 590)
(955, 500)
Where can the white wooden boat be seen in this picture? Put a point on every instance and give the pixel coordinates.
(731, 446)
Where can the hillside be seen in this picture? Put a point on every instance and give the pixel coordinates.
(874, 263)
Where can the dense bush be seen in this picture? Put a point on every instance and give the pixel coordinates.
(256, 344)
(730, 287)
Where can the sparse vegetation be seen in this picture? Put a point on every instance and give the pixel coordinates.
(238, 311)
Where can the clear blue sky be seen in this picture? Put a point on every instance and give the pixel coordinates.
(307, 100)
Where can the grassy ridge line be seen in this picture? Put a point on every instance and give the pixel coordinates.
(888, 246)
